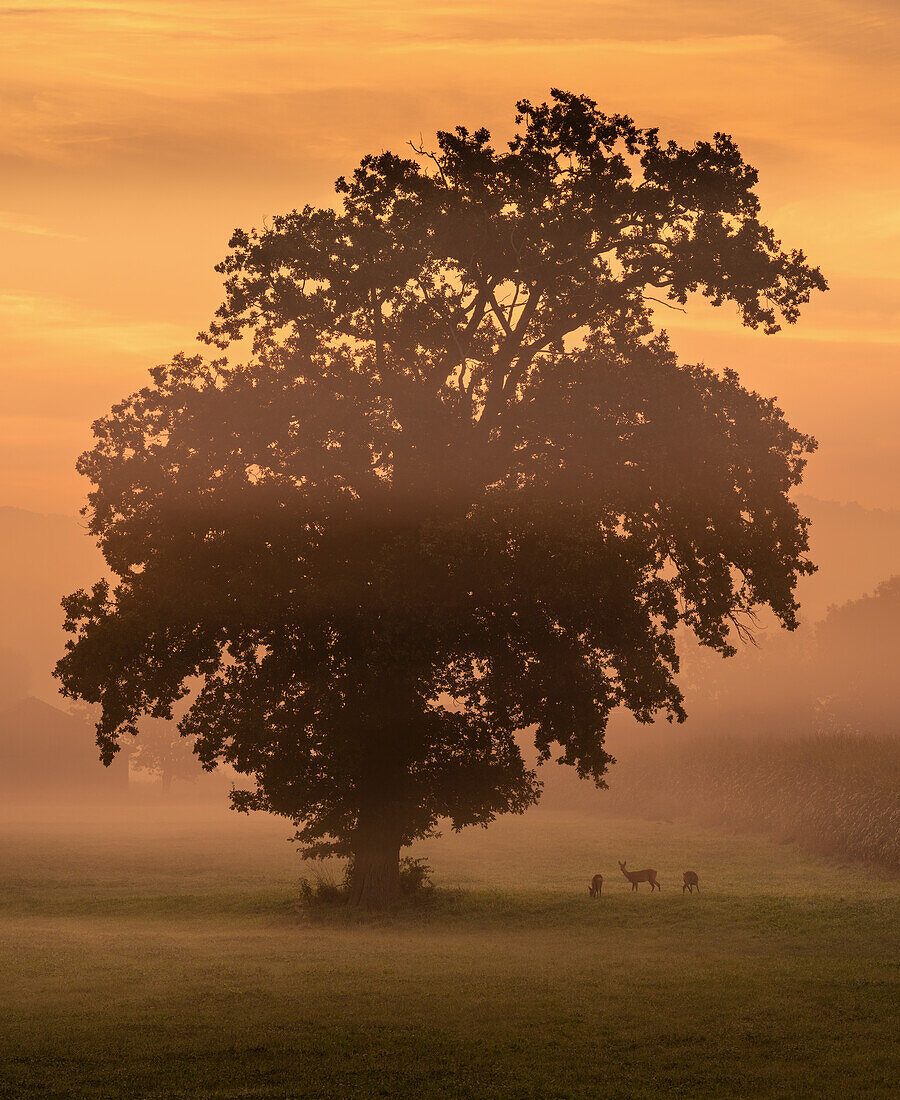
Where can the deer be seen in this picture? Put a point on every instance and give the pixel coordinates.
(690, 881)
(634, 877)
(596, 887)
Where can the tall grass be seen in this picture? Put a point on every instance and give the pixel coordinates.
(836, 794)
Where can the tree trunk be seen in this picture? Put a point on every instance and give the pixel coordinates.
(166, 781)
(375, 877)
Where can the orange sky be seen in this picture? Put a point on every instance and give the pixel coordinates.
(135, 136)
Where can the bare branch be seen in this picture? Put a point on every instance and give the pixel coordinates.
(423, 152)
(500, 315)
(650, 298)
(744, 632)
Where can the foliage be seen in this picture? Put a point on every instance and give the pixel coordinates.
(415, 876)
(459, 488)
(322, 890)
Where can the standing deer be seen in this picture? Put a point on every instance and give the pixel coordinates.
(690, 881)
(634, 877)
(596, 887)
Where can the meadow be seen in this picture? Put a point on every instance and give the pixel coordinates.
(148, 953)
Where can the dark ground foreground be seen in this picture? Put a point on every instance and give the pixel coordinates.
(150, 958)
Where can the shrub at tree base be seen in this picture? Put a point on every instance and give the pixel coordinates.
(321, 890)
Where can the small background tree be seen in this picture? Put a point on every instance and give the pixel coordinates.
(161, 751)
(458, 487)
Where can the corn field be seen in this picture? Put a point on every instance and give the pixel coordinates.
(837, 794)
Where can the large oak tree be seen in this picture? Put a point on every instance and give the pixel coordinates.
(455, 488)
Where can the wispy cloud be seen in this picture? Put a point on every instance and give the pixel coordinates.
(12, 223)
(857, 312)
(563, 43)
(33, 319)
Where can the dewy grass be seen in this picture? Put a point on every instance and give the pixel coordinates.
(172, 960)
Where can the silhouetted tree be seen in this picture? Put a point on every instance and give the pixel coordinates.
(459, 488)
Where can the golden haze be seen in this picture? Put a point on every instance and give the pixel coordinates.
(134, 136)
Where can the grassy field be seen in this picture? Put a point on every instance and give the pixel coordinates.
(168, 958)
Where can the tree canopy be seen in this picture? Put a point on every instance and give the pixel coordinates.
(457, 487)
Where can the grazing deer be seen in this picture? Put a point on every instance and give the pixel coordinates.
(596, 887)
(690, 881)
(634, 877)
